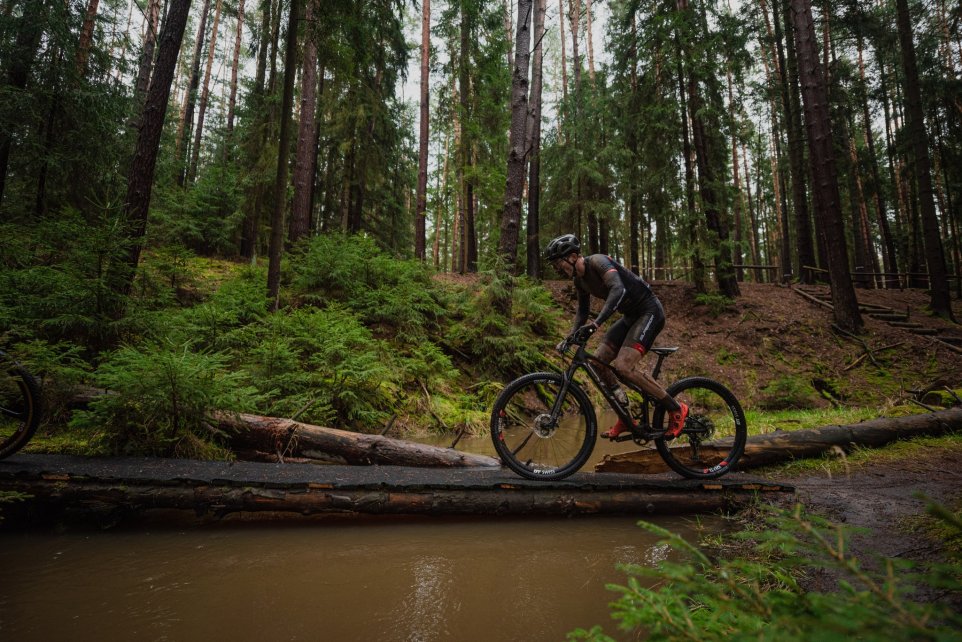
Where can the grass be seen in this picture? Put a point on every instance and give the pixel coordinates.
(762, 422)
(836, 463)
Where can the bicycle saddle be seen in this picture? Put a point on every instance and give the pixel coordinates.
(664, 351)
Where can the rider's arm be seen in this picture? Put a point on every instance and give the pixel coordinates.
(616, 289)
(584, 306)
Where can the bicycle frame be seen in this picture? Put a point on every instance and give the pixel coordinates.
(583, 361)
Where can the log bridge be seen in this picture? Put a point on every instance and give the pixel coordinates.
(59, 487)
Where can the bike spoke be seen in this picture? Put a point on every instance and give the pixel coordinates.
(538, 433)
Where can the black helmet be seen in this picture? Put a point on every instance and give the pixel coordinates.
(562, 246)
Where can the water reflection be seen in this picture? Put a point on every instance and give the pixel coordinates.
(330, 579)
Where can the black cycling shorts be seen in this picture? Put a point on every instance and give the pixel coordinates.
(639, 328)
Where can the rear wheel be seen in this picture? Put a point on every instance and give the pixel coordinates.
(715, 431)
(533, 441)
(19, 407)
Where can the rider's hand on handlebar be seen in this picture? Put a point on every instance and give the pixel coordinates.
(582, 334)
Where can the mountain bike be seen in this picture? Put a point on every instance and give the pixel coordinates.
(20, 406)
(543, 424)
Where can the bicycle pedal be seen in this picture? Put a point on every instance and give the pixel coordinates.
(625, 436)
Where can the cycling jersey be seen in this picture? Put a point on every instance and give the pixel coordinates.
(622, 290)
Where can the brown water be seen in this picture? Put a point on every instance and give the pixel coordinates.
(329, 579)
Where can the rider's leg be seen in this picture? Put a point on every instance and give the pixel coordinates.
(625, 363)
(637, 342)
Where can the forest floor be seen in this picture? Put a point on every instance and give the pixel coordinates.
(885, 502)
(777, 350)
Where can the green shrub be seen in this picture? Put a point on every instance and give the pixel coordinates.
(760, 598)
(324, 363)
(353, 271)
(786, 392)
(504, 347)
(161, 396)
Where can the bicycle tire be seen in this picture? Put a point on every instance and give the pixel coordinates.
(20, 408)
(522, 433)
(714, 412)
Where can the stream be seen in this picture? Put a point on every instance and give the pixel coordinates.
(333, 578)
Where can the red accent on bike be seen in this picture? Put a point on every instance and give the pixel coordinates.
(676, 420)
(616, 430)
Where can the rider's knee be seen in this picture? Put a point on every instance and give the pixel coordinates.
(627, 359)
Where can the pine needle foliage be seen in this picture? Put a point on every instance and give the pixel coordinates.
(353, 271)
(500, 346)
(760, 597)
(161, 398)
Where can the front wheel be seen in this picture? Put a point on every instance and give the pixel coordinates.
(539, 435)
(714, 435)
(19, 407)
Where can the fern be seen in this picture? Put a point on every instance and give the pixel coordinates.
(161, 396)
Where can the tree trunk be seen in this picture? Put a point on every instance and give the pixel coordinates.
(564, 62)
(273, 436)
(187, 111)
(781, 447)
(204, 94)
(283, 150)
(511, 217)
(534, 130)
(238, 42)
(724, 273)
(921, 168)
(256, 139)
(822, 160)
(141, 177)
(146, 56)
(306, 150)
(469, 242)
(697, 266)
(420, 240)
(86, 37)
(889, 263)
(590, 37)
(792, 107)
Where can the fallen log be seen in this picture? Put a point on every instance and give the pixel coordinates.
(274, 439)
(782, 446)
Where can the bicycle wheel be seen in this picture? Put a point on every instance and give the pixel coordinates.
(529, 440)
(714, 434)
(19, 407)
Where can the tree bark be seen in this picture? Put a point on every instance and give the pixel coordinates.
(534, 137)
(306, 132)
(256, 139)
(420, 232)
(921, 168)
(187, 111)
(889, 263)
(724, 272)
(283, 150)
(285, 438)
(780, 447)
(511, 216)
(146, 56)
(238, 42)
(791, 104)
(86, 37)
(141, 177)
(204, 95)
(823, 169)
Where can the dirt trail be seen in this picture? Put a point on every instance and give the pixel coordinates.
(885, 500)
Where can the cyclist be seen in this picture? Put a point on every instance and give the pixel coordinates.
(630, 337)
